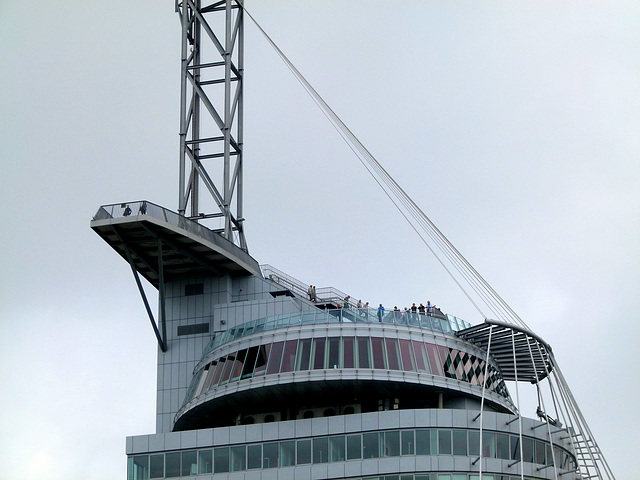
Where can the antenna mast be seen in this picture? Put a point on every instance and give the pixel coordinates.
(211, 114)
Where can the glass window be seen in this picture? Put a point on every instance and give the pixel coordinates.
(549, 456)
(370, 447)
(348, 352)
(334, 353)
(502, 445)
(221, 459)
(474, 443)
(289, 356)
(140, 468)
(378, 353)
(304, 452)
(406, 352)
(219, 366)
(363, 353)
(423, 444)
(408, 443)
(238, 364)
(205, 461)
(156, 466)
(304, 355)
(250, 362)
(189, 463)
(261, 360)
(420, 355)
(434, 359)
(489, 444)
(515, 447)
(238, 458)
(254, 456)
(459, 442)
(287, 453)
(336, 449)
(392, 354)
(320, 450)
(172, 464)
(527, 449)
(392, 443)
(444, 442)
(275, 356)
(318, 353)
(270, 455)
(540, 452)
(228, 364)
(354, 447)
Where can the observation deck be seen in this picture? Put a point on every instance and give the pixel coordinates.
(159, 242)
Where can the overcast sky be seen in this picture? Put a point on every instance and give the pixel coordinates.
(514, 125)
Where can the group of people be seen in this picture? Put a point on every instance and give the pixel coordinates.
(311, 292)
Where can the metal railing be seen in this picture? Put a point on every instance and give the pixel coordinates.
(144, 208)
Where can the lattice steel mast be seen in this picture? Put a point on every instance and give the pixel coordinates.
(211, 114)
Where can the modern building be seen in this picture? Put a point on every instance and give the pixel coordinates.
(259, 378)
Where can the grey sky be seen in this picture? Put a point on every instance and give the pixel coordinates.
(514, 125)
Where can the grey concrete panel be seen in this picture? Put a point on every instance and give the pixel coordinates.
(188, 439)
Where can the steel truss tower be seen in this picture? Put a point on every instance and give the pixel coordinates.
(211, 113)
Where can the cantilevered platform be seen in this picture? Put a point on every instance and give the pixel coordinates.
(520, 353)
(159, 242)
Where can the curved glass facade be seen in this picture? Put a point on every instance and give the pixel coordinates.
(355, 446)
(448, 324)
(347, 352)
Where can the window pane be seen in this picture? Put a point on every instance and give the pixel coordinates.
(408, 443)
(141, 467)
(378, 353)
(205, 461)
(172, 464)
(459, 442)
(474, 443)
(540, 452)
(304, 452)
(318, 355)
(392, 443)
(304, 355)
(434, 359)
(406, 352)
(348, 352)
(370, 445)
(320, 450)
(503, 446)
(515, 447)
(261, 361)
(254, 456)
(238, 364)
(221, 459)
(363, 353)
(275, 357)
(444, 442)
(392, 354)
(219, 366)
(156, 467)
(238, 459)
(354, 447)
(250, 362)
(336, 449)
(289, 356)
(334, 353)
(420, 353)
(226, 370)
(489, 444)
(270, 455)
(189, 463)
(423, 442)
(287, 453)
(527, 449)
